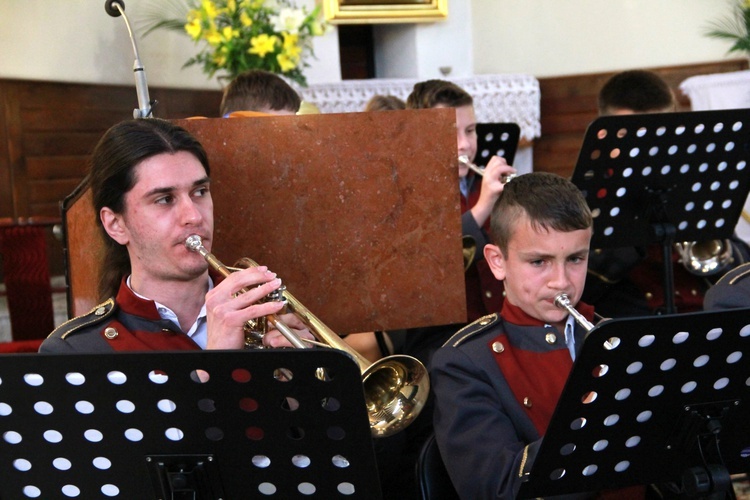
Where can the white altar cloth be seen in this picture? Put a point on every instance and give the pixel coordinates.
(499, 98)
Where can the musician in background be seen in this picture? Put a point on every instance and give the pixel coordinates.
(381, 102)
(150, 185)
(629, 281)
(259, 93)
(497, 381)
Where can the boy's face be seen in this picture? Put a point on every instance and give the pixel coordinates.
(540, 265)
(169, 201)
(466, 135)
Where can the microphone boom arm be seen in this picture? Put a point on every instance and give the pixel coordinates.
(116, 8)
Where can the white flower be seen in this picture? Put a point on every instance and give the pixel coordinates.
(288, 20)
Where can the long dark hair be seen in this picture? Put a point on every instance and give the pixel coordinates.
(111, 176)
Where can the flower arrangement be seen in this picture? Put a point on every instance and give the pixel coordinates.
(238, 35)
(735, 27)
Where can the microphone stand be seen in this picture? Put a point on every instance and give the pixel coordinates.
(116, 8)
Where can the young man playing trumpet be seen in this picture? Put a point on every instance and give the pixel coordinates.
(497, 381)
(151, 190)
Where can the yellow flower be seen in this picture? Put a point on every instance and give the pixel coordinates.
(245, 19)
(262, 44)
(210, 9)
(213, 37)
(290, 46)
(287, 63)
(228, 33)
(193, 28)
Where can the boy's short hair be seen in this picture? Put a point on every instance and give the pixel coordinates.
(548, 200)
(258, 90)
(385, 103)
(637, 90)
(431, 93)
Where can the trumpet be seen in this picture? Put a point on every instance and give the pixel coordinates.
(480, 170)
(396, 387)
(705, 258)
(563, 302)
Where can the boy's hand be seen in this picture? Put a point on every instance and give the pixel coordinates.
(493, 181)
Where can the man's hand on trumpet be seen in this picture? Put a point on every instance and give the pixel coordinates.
(493, 180)
(227, 310)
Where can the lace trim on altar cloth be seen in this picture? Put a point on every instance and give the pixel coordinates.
(513, 98)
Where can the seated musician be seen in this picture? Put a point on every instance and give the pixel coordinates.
(259, 93)
(150, 185)
(497, 381)
(629, 281)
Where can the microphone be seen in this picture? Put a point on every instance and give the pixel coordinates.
(116, 8)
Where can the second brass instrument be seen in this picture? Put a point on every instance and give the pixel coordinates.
(463, 159)
(396, 387)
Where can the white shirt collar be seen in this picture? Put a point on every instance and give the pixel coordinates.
(198, 331)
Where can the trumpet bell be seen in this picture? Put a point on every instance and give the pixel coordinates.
(705, 258)
(396, 389)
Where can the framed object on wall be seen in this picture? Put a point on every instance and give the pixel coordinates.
(384, 11)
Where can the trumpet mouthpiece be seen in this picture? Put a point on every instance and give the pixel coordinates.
(562, 300)
(193, 242)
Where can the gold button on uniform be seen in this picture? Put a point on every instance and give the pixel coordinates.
(100, 310)
(498, 347)
(551, 338)
(527, 402)
(485, 322)
(488, 294)
(649, 295)
(110, 333)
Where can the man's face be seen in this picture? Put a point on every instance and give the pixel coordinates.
(466, 135)
(540, 265)
(169, 201)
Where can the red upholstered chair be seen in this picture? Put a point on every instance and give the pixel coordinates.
(20, 346)
(23, 247)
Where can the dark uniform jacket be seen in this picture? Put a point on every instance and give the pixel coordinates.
(732, 291)
(124, 323)
(496, 384)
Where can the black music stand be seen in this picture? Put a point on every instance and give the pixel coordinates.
(652, 400)
(142, 425)
(499, 139)
(665, 178)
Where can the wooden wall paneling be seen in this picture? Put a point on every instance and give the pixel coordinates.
(6, 180)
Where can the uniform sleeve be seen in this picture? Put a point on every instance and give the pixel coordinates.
(476, 437)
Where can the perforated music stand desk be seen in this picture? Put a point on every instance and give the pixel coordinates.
(665, 178)
(642, 394)
(142, 426)
(499, 139)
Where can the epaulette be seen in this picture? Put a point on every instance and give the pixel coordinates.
(472, 329)
(97, 314)
(738, 273)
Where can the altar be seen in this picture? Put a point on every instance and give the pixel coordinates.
(497, 98)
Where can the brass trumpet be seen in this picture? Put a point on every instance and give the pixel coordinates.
(479, 170)
(563, 302)
(705, 258)
(395, 387)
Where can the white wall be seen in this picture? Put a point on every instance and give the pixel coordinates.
(420, 50)
(75, 40)
(546, 38)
